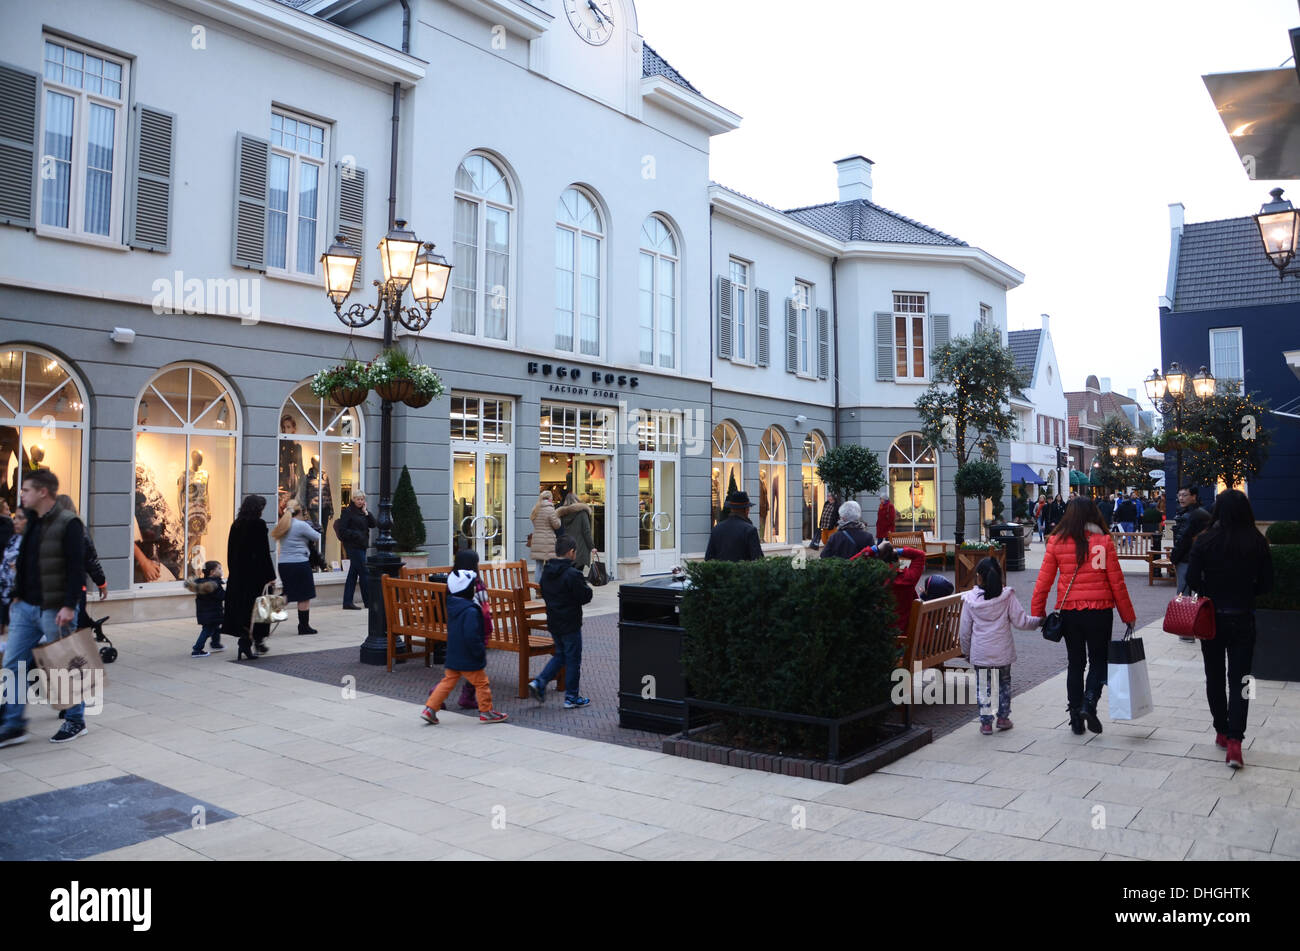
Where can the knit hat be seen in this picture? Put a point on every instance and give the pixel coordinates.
(850, 511)
(458, 581)
(936, 586)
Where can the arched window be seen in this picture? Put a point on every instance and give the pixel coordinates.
(814, 490)
(482, 226)
(42, 422)
(772, 501)
(321, 464)
(914, 484)
(657, 279)
(728, 468)
(186, 473)
(579, 245)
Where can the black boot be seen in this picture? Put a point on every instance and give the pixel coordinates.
(1076, 718)
(1090, 712)
(303, 626)
(245, 646)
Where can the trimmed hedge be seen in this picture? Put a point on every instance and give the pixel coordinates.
(1283, 533)
(817, 640)
(1285, 595)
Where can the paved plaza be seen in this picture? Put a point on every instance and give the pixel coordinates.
(211, 759)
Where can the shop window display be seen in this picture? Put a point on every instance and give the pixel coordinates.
(42, 422)
(728, 471)
(771, 487)
(186, 448)
(320, 462)
(814, 490)
(913, 484)
(577, 446)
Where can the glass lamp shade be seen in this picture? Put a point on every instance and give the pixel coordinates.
(1155, 385)
(339, 264)
(429, 282)
(1130, 451)
(397, 252)
(1175, 381)
(1279, 229)
(1203, 384)
(1114, 452)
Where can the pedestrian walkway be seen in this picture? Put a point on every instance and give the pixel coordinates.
(279, 767)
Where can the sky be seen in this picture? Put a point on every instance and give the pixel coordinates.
(1052, 135)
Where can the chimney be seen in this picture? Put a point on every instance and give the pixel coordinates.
(1047, 323)
(1105, 384)
(1132, 394)
(854, 178)
(1176, 217)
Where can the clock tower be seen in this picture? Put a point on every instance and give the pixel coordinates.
(594, 48)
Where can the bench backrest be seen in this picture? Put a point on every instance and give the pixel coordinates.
(509, 622)
(507, 575)
(932, 630)
(424, 573)
(908, 540)
(1133, 543)
(417, 608)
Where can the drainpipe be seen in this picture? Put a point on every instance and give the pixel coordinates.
(835, 325)
(712, 304)
(397, 105)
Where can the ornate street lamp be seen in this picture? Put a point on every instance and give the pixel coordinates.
(1169, 394)
(1279, 229)
(427, 274)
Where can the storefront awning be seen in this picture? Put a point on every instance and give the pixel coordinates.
(1078, 478)
(1022, 473)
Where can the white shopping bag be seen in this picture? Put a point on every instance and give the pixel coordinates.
(1127, 684)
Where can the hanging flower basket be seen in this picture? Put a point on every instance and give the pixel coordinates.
(428, 386)
(418, 399)
(349, 396)
(395, 391)
(345, 384)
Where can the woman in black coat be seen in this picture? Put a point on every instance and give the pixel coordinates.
(248, 557)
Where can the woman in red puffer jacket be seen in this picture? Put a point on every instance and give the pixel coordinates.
(1081, 552)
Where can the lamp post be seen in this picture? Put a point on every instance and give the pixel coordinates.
(1168, 394)
(426, 273)
(1279, 230)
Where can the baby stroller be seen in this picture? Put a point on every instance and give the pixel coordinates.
(106, 654)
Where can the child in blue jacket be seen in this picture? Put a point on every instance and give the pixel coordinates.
(466, 651)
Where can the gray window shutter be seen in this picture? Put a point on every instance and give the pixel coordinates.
(938, 337)
(19, 94)
(764, 328)
(350, 212)
(823, 343)
(149, 208)
(724, 318)
(884, 346)
(252, 170)
(791, 336)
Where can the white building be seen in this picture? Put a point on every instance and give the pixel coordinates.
(1041, 414)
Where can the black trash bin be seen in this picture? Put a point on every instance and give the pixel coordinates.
(1009, 537)
(651, 686)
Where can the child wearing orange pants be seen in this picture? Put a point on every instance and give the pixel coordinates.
(466, 651)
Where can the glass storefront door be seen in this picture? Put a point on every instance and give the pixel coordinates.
(577, 456)
(658, 491)
(480, 476)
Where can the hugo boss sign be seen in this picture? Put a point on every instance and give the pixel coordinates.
(576, 375)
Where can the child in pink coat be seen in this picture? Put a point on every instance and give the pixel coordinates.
(988, 613)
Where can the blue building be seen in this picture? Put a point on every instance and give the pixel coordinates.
(1224, 308)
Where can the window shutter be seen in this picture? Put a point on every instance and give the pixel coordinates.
(19, 94)
(884, 346)
(252, 169)
(350, 212)
(823, 343)
(791, 336)
(764, 328)
(938, 337)
(149, 209)
(724, 318)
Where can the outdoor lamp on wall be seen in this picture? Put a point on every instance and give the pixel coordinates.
(397, 253)
(1279, 229)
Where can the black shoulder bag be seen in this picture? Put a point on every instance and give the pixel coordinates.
(1052, 624)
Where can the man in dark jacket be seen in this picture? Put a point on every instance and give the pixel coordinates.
(735, 538)
(1126, 514)
(1190, 521)
(565, 591)
(353, 529)
(48, 585)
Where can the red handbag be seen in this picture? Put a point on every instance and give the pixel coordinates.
(1189, 616)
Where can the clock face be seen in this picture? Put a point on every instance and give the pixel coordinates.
(592, 20)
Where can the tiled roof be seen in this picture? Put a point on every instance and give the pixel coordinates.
(1024, 347)
(652, 64)
(861, 220)
(1223, 264)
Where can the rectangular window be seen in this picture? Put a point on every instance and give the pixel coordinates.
(82, 139)
(298, 150)
(480, 419)
(1227, 361)
(739, 313)
(909, 336)
(986, 316)
(807, 330)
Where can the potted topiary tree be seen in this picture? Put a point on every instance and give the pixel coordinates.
(408, 523)
(849, 469)
(980, 479)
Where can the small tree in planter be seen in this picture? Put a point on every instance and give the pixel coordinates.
(980, 480)
(347, 384)
(408, 522)
(849, 469)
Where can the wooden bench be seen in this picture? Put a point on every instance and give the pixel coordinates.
(508, 575)
(417, 611)
(1156, 565)
(917, 540)
(1133, 546)
(931, 639)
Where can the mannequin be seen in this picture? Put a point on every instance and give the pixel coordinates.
(291, 468)
(317, 495)
(192, 492)
(161, 545)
